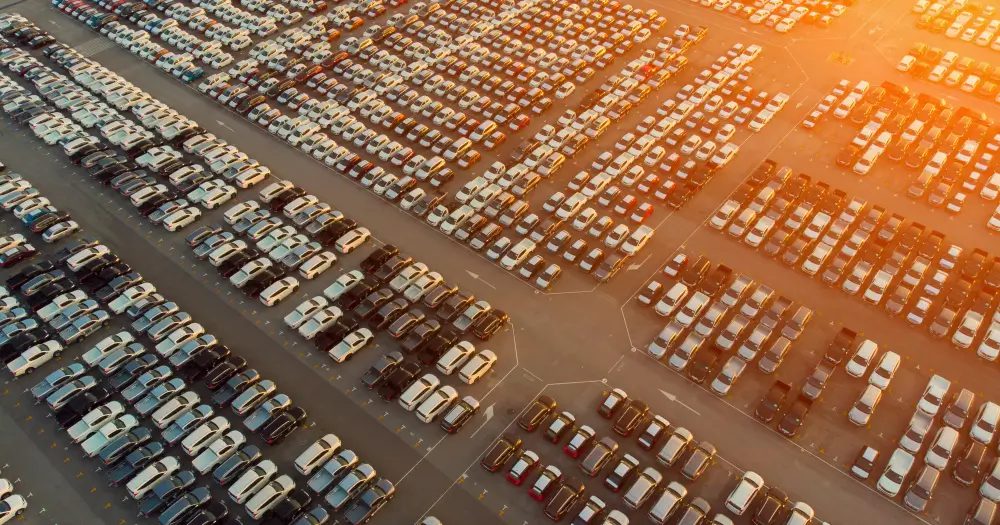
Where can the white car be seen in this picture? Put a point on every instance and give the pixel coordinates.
(110, 430)
(278, 291)
(175, 408)
(899, 466)
(436, 403)
(351, 344)
(477, 367)
(130, 296)
(236, 212)
(204, 435)
(94, 420)
(343, 284)
(252, 480)
(320, 321)
(106, 346)
(316, 454)
(305, 311)
(740, 498)
(218, 451)
(455, 357)
(269, 496)
(351, 240)
(12, 506)
(317, 264)
(139, 485)
(181, 218)
(249, 271)
(34, 357)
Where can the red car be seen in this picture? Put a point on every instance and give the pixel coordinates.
(525, 464)
(396, 3)
(520, 122)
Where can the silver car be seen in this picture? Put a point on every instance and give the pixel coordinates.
(349, 487)
(110, 430)
(218, 451)
(332, 471)
(187, 422)
(63, 394)
(84, 326)
(253, 396)
(252, 480)
(266, 411)
(146, 382)
(160, 394)
(728, 375)
(57, 379)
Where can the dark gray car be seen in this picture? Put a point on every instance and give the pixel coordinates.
(332, 471)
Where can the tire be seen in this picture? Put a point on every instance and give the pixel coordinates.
(29, 371)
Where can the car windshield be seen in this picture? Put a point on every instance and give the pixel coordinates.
(894, 476)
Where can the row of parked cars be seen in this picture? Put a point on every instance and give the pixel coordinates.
(969, 23)
(12, 504)
(779, 15)
(193, 353)
(906, 267)
(712, 312)
(639, 486)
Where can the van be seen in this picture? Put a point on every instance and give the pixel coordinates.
(518, 254)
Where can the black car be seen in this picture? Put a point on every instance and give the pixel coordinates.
(420, 336)
(392, 265)
(283, 424)
(164, 492)
(292, 506)
(388, 314)
(489, 324)
(213, 514)
(118, 285)
(136, 460)
(28, 273)
(184, 506)
(46, 221)
(99, 279)
(223, 371)
(351, 298)
(436, 347)
(326, 339)
(234, 386)
(398, 380)
(44, 296)
(80, 405)
(194, 238)
(256, 285)
(238, 463)
(10, 350)
(382, 368)
(454, 305)
(199, 365)
(132, 370)
(378, 257)
(373, 302)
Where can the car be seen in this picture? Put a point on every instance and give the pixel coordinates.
(350, 486)
(536, 413)
(252, 480)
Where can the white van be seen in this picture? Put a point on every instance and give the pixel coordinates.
(518, 254)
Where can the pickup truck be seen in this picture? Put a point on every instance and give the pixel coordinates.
(703, 363)
(767, 408)
(398, 380)
(716, 280)
(842, 342)
(796, 414)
